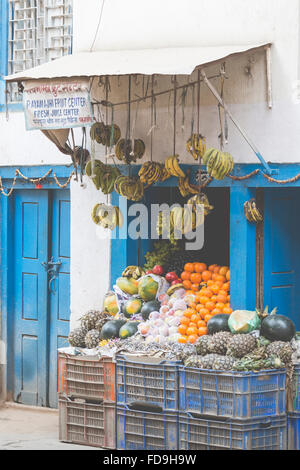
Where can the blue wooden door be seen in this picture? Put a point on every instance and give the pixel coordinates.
(41, 309)
(282, 252)
(59, 289)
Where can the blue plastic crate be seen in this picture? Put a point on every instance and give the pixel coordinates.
(296, 389)
(196, 433)
(141, 430)
(141, 379)
(293, 431)
(232, 394)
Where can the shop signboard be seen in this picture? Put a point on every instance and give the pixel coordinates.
(57, 104)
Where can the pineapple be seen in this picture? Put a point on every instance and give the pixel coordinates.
(207, 362)
(224, 363)
(76, 337)
(240, 345)
(203, 345)
(92, 339)
(102, 319)
(280, 349)
(219, 342)
(88, 320)
(193, 361)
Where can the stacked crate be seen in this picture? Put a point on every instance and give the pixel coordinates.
(87, 400)
(232, 410)
(147, 403)
(294, 412)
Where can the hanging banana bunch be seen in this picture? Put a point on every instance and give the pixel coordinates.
(125, 153)
(218, 164)
(185, 187)
(252, 213)
(107, 216)
(104, 176)
(201, 199)
(105, 134)
(150, 173)
(196, 146)
(173, 168)
(130, 187)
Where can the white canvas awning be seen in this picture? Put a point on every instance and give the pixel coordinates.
(167, 61)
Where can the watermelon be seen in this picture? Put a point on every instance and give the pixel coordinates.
(132, 306)
(147, 288)
(128, 329)
(278, 328)
(148, 307)
(127, 285)
(218, 323)
(111, 329)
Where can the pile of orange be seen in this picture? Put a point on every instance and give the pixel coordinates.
(208, 294)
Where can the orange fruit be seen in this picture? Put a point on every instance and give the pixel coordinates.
(228, 275)
(207, 318)
(195, 287)
(220, 305)
(227, 310)
(222, 298)
(193, 325)
(210, 305)
(192, 330)
(210, 283)
(185, 276)
(220, 278)
(200, 267)
(212, 267)
(226, 286)
(182, 329)
(187, 284)
(215, 289)
(195, 318)
(206, 275)
(184, 321)
(193, 305)
(223, 270)
(201, 323)
(207, 293)
(192, 339)
(204, 299)
(228, 298)
(189, 267)
(196, 278)
(189, 312)
(216, 269)
(202, 331)
(203, 312)
(216, 311)
(182, 339)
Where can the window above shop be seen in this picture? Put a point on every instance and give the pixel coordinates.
(38, 31)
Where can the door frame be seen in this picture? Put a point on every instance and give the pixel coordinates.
(6, 254)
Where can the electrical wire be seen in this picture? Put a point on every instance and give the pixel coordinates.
(98, 26)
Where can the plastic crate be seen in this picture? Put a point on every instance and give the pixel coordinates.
(232, 394)
(87, 377)
(87, 423)
(296, 389)
(145, 379)
(255, 434)
(293, 433)
(141, 430)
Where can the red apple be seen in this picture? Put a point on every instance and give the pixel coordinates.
(149, 271)
(177, 281)
(158, 270)
(172, 276)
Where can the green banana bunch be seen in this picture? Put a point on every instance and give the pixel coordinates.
(107, 216)
(218, 164)
(252, 213)
(104, 175)
(124, 151)
(105, 134)
(134, 271)
(130, 187)
(196, 146)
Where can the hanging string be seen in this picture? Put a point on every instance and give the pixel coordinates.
(198, 127)
(174, 117)
(220, 109)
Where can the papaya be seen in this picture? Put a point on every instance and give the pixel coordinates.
(128, 285)
(128, 329)
(110, 304)
(132, 307)
(147, 288)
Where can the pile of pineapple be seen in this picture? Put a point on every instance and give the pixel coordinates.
(240, 352)
(88, 334)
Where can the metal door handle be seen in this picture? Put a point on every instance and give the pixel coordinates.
(52, 268)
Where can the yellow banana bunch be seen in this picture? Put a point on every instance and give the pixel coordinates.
(196, 146)
(252, 213)
(200, 199)
(184, 186)
(173, 168)
(150, 173)
(134, 271)
(107, 216)
(130, 187)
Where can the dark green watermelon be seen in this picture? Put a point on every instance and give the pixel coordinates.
(278, 328)
(218, 323)
(111, 329)
(148, 307)
(128, 329)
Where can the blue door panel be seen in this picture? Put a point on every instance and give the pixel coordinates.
(30, 297)
(282, 247)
